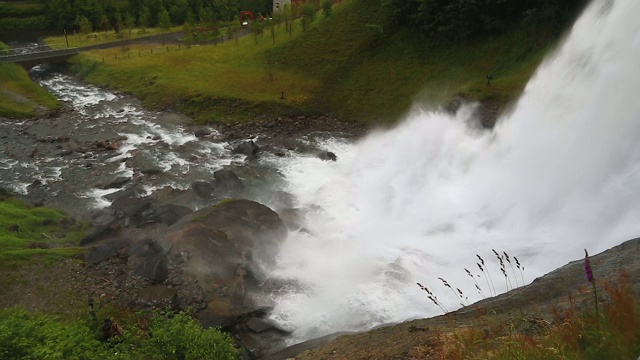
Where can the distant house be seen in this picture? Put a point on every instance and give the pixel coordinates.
(278, 4)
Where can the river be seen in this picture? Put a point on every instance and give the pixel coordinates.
(559, 173)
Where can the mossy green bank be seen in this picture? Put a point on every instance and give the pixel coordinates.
(19, 96)
(35, 234)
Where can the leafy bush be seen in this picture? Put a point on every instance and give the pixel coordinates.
(25, 335)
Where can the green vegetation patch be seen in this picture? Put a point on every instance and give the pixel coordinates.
(359, 65)
(19, 96)
(35, 234)
(230, 81)
(25, 335)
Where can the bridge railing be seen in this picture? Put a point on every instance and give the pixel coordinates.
(48, 51)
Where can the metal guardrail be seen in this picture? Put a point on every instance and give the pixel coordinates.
(42, 54)
(39, 52)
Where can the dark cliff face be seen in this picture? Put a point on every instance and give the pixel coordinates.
(525, 310)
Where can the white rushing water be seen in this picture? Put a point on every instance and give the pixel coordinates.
(559, 174)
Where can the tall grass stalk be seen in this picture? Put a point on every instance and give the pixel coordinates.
(486, 274)
(506, 257)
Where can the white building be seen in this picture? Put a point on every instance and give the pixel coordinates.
(278, 4)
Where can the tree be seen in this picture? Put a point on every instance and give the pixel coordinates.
(179, 11)
(326, 7)
(144, 18)
(83, 24)
(286, 17)
(92, 9)
(187, 30)
(257, 28)
(59, 14)
(234, 28)
(130, 23)
(118, 23)
(105, 24)
(164, 20)
(308, 14)
(210, 20)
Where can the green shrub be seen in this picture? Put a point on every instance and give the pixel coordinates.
(25, 335)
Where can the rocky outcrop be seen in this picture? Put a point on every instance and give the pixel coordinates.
(211, 260)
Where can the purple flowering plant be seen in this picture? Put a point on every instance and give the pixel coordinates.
(589, 273)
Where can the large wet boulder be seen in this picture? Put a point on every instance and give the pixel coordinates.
(220, 240)
(225, 246)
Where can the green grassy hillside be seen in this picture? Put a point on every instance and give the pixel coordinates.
(373, 71)
(355, 63)
(19, 96)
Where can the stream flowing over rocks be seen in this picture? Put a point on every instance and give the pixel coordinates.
(161, 196)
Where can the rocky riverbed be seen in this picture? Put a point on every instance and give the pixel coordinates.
(149, 182)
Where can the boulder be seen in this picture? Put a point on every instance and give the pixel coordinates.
(117, 182)
(247, 148)
(167, 214)
(152, 171)
(225, 246)
(202, 188)
(106, 250)
(105, 225)
(200, 133)
(226, 181)
(327, 156)
(281, 200)
(128, 206)
(154, 265)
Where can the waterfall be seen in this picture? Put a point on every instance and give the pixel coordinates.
(559, 173)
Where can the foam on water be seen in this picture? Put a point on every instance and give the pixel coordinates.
(559, 174)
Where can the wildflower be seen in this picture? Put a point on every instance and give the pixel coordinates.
(592, 280)
(587, 267)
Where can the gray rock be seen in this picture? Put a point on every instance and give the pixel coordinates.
(226, 181)
(154, 265)
(167, 214)
(117, 183)
(103, 226)
(247, 148)
(327, 156)
(202, 189)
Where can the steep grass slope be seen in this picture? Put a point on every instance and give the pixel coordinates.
(355, 63)
(19, 96)
(373, 70)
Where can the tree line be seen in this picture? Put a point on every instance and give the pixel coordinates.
(465, 19)
(116, 15)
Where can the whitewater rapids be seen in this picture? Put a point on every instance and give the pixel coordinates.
(559, 173)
